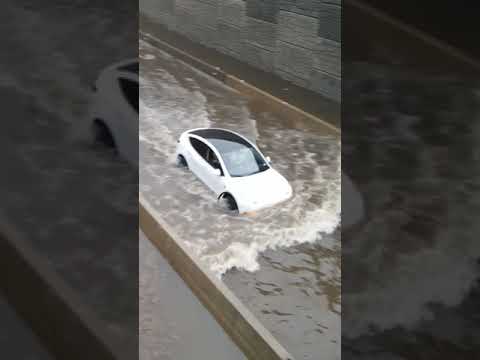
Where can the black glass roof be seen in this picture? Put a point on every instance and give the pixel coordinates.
(224, 140)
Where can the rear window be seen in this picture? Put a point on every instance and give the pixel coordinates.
(130, 92)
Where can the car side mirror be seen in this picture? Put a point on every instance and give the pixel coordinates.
(268, 159)
(217, 172)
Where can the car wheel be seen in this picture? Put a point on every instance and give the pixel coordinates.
(228, 201)
(181, 162)
(102, 134)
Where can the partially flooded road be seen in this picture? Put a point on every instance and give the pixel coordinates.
(284, 262)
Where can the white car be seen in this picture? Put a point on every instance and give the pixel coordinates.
(233, 168)
(114, 112)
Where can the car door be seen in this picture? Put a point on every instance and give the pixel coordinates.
(200, 165)
(196, 155)
(215, 181)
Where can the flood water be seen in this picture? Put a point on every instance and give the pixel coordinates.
(411, 275)
(283, 262)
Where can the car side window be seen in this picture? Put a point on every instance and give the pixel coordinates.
(206, 153)
(213, 160)
(200, 147)
(130, 91)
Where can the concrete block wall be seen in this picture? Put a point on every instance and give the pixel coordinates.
(299, 40)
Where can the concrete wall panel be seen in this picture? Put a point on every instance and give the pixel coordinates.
(265, 10)
(299, 40)
(258, 57)
(326, 84)
(326, 55)
(329, 21)
(288, 54)
(232, 12)
(297, 29)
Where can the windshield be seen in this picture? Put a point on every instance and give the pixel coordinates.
(241, 160)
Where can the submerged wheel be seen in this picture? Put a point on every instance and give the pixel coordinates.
(181, 161)
(228, 202)
(102, 134)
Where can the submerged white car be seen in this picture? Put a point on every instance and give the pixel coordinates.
(114, 111)
(233, 168)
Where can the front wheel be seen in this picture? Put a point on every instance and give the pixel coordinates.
(228, 202)
(181, 162)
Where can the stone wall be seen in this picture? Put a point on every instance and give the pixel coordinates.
(299, 40)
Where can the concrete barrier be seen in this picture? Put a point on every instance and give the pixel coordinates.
(242, 327)
(287, 38)
(67, 328)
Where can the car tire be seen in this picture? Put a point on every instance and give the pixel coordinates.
(229, 202)
(102, 134)
(181, 162)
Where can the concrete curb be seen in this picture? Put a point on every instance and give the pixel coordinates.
(277, 105)
(246, 89)
(67, 328)
(197, 63)
(242, 327)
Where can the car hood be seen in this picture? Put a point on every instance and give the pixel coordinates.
(259, 190)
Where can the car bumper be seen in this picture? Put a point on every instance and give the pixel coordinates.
(261, 205)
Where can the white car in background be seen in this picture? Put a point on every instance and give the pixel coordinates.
(233, 168)
(114, 112)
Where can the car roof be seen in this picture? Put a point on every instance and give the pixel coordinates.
(224, 140)
(220, 134)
